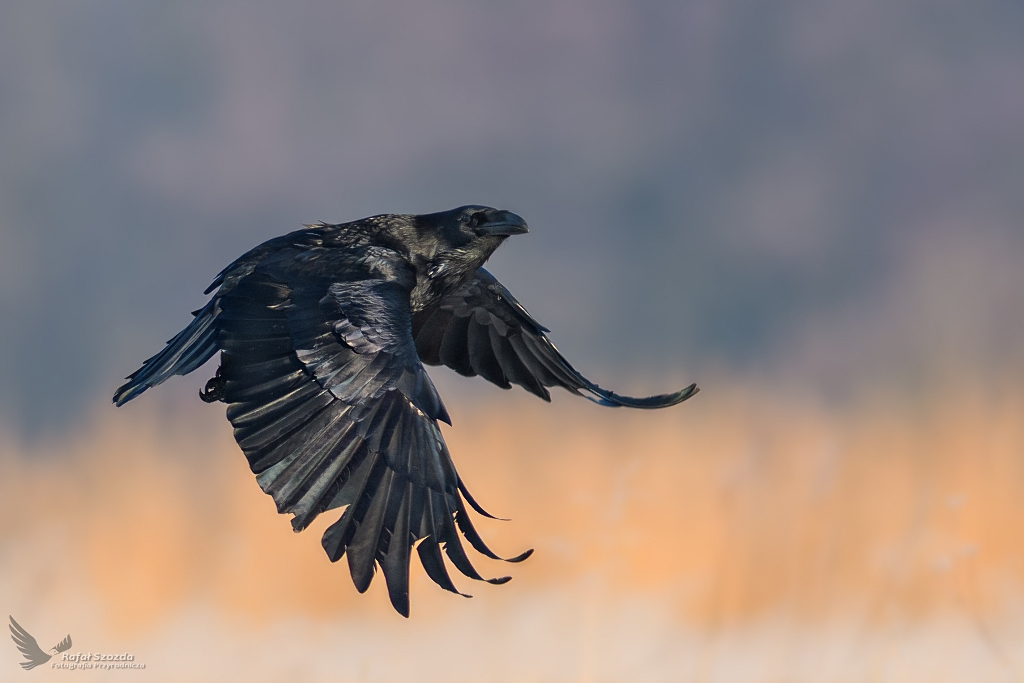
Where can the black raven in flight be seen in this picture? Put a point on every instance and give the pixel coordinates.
(322, 336)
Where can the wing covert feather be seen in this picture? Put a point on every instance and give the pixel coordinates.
(480, 329)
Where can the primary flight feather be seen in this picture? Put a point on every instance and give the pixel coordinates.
(322, 336)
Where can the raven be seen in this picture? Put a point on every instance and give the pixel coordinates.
(322, 335)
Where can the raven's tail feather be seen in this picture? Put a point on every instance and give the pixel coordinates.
(189, 349)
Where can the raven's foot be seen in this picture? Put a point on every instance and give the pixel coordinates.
(214, 390)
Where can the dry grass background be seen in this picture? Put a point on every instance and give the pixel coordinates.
(747, 536)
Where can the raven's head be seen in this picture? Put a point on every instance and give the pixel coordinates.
(455, 243)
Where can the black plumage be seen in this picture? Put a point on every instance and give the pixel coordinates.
(322, 336)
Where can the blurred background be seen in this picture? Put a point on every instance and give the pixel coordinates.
(813, 209)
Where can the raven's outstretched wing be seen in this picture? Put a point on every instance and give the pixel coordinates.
(197, 343)
(28, 646)
(332, 408)
(188, 350)
(480, 329)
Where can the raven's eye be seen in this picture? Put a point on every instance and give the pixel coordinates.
(477, 219)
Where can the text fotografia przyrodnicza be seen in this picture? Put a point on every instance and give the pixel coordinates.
(97, 660)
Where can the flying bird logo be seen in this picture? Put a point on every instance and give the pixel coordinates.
(323, 334)
(28, 646)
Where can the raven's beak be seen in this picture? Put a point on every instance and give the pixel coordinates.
(507, 224)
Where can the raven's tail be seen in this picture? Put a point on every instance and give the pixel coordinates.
(189, 349)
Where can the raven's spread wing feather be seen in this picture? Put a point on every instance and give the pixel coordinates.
(197, 343)
(480, 329)
(189, 349)
(28, 646)
(332, 408)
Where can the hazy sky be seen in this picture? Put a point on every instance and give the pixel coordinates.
(827, 190)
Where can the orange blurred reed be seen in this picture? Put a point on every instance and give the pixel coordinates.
(738, 507)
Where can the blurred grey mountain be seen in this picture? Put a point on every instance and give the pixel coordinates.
(825, 190)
